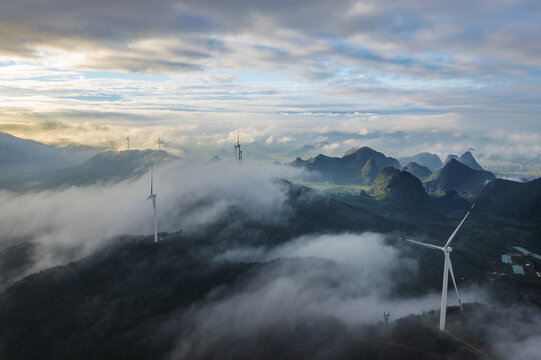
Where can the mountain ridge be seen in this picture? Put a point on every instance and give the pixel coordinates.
(348, 168)
(458, 177)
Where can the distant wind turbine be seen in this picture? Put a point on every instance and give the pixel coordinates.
(238, 151)
(128, 141)
(159, 144)
(447, 268)
(153, 198)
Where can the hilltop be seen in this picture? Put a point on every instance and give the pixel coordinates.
(466, 159)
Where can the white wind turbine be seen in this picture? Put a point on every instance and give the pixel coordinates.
(447, 268)
(153, 198)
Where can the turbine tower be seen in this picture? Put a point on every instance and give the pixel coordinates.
(128, 141)
(159, 144)
(447, 268)
(153, 198)
(238, 151)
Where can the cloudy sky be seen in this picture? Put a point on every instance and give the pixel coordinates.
(193, 71)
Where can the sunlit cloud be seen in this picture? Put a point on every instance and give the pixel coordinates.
(194, 71)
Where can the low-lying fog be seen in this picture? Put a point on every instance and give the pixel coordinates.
(349, 278)
(70, 223)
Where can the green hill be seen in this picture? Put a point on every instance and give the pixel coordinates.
(398, 186)
(134, 301)
(459, 177)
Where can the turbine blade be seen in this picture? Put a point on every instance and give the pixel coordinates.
(151, 179)
(459, 225)
(448, 259)
(422, 244)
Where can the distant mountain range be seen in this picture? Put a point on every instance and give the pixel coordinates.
(23, 156)
(309, 150)
(360, 166)
(109, 166)
(363, 166)
(29, 165)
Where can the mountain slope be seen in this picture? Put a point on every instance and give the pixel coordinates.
(459, 177)
(370, 171)
(18, 154)
(110, 166)
(135, 301)
(520, 201)
(103, 167)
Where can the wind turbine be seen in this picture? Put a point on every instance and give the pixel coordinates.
(153, 198)
(238, 151)
(128, 141)
(447, 268)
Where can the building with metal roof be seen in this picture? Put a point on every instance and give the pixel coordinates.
(506, 259)
(518, 270)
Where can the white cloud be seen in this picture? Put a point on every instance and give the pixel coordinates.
(67, 224)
